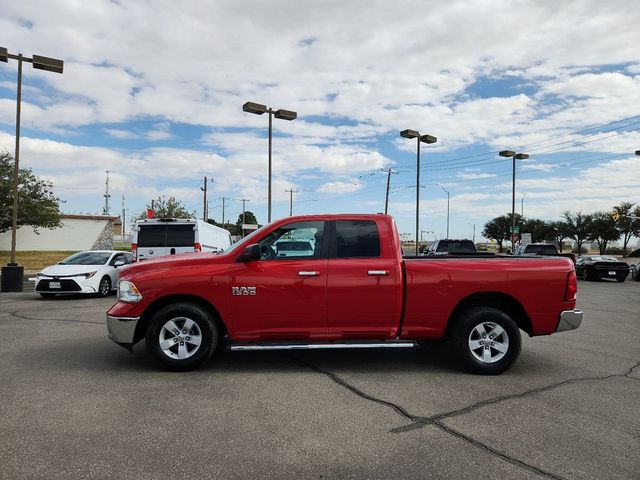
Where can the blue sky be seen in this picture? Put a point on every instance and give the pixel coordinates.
(153, 92)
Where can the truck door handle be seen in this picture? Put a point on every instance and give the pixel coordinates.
(378, 272)
(308, 274)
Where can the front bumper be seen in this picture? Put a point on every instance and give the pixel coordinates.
(569, 320)
(122, 330)
(76, 284)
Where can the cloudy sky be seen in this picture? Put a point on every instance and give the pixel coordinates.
(153, 92)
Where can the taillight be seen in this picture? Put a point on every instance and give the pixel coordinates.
(134, 251)
(197, 247)
(572, 287)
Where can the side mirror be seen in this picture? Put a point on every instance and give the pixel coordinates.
(119, 263)
(251, 253)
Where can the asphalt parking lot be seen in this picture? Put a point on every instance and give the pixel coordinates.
(75, 405)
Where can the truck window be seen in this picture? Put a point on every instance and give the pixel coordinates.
(357, 238)
(456, 246)
(541, 249)
(294, 240)
(180, 235)
(150, 236)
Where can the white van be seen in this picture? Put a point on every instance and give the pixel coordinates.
(157, 237)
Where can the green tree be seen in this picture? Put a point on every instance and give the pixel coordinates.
(499, 229)
(38, 207)
(540, 230)
(603, 230)
(579, 227)
(627, 225)
(231, 227)
(559, 231)
(167, 208)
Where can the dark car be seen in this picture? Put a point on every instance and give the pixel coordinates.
(635, 253)
(635, 272)
(447, 246)
(596, 267)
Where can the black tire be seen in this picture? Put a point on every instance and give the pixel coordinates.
(584, 275)
(104, 287)
(178, 312)
(464, 328)
(621, 279)
(47, 295)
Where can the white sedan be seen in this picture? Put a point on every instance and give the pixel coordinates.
(92, 271)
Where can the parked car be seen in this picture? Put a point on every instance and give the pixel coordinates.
(355, 291)
(635, 272)
(93, 271)
(449, 246)
(546, 249)
(157, 237)
(596, 267)
(293, 248)
(635, 253)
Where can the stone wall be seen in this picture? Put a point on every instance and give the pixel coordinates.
(105, 239)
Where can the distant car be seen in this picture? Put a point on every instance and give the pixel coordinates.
(545, 249)
(93, 271)
(635, 253)
(596, 267)
(294, 248)
(635, 272)
(448, 246)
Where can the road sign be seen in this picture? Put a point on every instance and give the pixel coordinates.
(515, 229)
(526, 239)
(249, 226)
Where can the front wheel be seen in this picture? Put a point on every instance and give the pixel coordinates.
(182, 336)
(486, 340)
(104, 289)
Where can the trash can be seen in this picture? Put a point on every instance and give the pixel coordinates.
(11, 280)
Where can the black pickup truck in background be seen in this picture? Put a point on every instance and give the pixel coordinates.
(546, 249)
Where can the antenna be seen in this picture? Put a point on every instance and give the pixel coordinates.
(107, 196)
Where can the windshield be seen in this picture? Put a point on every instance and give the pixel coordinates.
(603, 259)
(456, 246)
(87, 258)
(541, 249)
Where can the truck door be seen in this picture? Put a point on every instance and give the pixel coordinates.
(282, 298)
(364, 290)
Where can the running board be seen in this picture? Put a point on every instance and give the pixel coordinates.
(317, 346)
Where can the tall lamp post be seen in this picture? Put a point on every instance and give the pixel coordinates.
(515, 156)
(447, 192)
(259, 109)
(12, 273)
(425, 139)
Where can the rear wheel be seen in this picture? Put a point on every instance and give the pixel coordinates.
(486, 340)
(585, 275)
(182, 336)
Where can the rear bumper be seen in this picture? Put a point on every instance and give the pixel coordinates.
(122, 330)
(569, 320)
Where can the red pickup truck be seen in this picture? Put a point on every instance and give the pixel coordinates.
(351, 289)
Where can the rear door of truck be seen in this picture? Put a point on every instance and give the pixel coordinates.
(364, 289)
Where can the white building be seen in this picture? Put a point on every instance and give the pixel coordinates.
(78, 232)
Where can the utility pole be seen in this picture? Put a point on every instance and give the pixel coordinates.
(107, 196)
(291, 192)
(244, 210)
(223, 206)
(389, 171)
(123, 218)
(205, 207)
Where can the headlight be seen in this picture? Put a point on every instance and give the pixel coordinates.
(89, 275)
(127, 292)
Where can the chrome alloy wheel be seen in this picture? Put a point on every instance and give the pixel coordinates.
(488, 342)
(180, 338)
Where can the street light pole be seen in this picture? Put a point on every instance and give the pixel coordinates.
(291, 192)
(419, 138)
(447, 192)
(259, 109)
(12, 282)
(514, 156)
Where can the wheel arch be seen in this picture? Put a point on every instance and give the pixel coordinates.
(161, 302)
(498, 300)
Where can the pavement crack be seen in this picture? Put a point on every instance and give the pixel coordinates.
(17, 314)
(498, 453)
(418, 422)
